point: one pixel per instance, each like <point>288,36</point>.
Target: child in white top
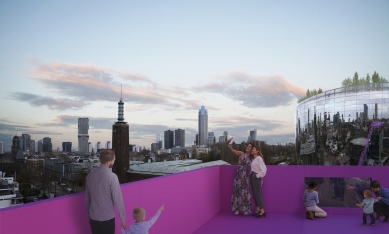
<point>141,226</point>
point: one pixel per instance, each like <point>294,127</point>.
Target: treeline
<point>309,94</point>
<point>375,78</point>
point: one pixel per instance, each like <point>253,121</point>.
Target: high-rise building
<point>154,147</point>
<point>32,146</point>
<point>168,139</point>
<point>109,145</point>
<point>47,145</point>
<point>90,147</point>
<point>40,146</point>
<point>179,138</point>
<point>98,146</point>
<point>83,136</point>
<point>120,144</point>
<point>203,126</point>
<point>1,147</point>
<point>21,142</point>
<point>157,137</point>
<point>67,147</point>
<point>253,136</point>
<point>26,142</point>
<point>159,144</point>
<point>15,145</point>
<point>222,139</point>
<point>211,138</point>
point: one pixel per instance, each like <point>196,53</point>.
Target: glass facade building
<point>333,127</point>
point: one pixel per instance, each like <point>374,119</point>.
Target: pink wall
<point>284,185</point>
<point>190,199</point>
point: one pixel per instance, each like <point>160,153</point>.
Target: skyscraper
<point>203,125</point>
<point>211,138</point>
<point>26,142</point>
<point>40,146</point>
<point>1,147</point>
<point>32,145</point>
<point>15,145</point>
<point>253,136</point>
<point>179,138</point>
<point>90,147</point>
<point>109,145</point>
<point>157,137</point>
<point>47,145</point>
<point>120,144</point>
<point>168,139</point>
<point>83,137</point>
<point>98,146</point>
<point>66,147</point>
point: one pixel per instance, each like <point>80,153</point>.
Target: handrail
<point>373,125</point>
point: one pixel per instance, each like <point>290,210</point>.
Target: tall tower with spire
<point>120,144</point>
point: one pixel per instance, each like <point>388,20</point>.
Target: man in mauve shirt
<point>101,194</point>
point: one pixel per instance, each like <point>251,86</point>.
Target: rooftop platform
<point>198,201</point>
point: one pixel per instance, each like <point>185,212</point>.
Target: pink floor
<point>226,222</point>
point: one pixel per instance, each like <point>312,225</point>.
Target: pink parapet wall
<point>190,198</point>
<point>283,186</point>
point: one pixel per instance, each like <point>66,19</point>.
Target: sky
<point>247,62</point>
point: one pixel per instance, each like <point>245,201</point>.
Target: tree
<point>194,152</point>
<point>347,82</point>
<point>320,91</point>
<point>355,79</point>
<point>184,153</point>
<point>375,77</point>
<point>367,79</point>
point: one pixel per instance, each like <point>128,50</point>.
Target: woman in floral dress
<point>241,198</point>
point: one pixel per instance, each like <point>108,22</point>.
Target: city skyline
<point>247,62</point>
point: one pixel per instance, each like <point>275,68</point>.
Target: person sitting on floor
<point>311,199</point>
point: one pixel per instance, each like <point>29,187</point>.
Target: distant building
<point>154,147</point>
<point>35,162</point>
<point>222,139</point>
<point>66,147</point>
<point>169,139</point>
<point>1,147</point>
<point>47,145</point>
<point>132,148</point>
<point>179,138</point>
<point>157,138</point>
<point>32,146</point>
<point>120,144</point>
<point>203,126</point>
<point>83,136</point>
<point>98,146</point>
<point>40,146</point>
<point>211,138</point>
<point>159,145</point>
<point>26,142</point>
<point>156,169</point>
<point>15,145</point>
<point>253,136</point>
<point>21,142</point>
<point>109,145</point>
<point>90,147</point>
